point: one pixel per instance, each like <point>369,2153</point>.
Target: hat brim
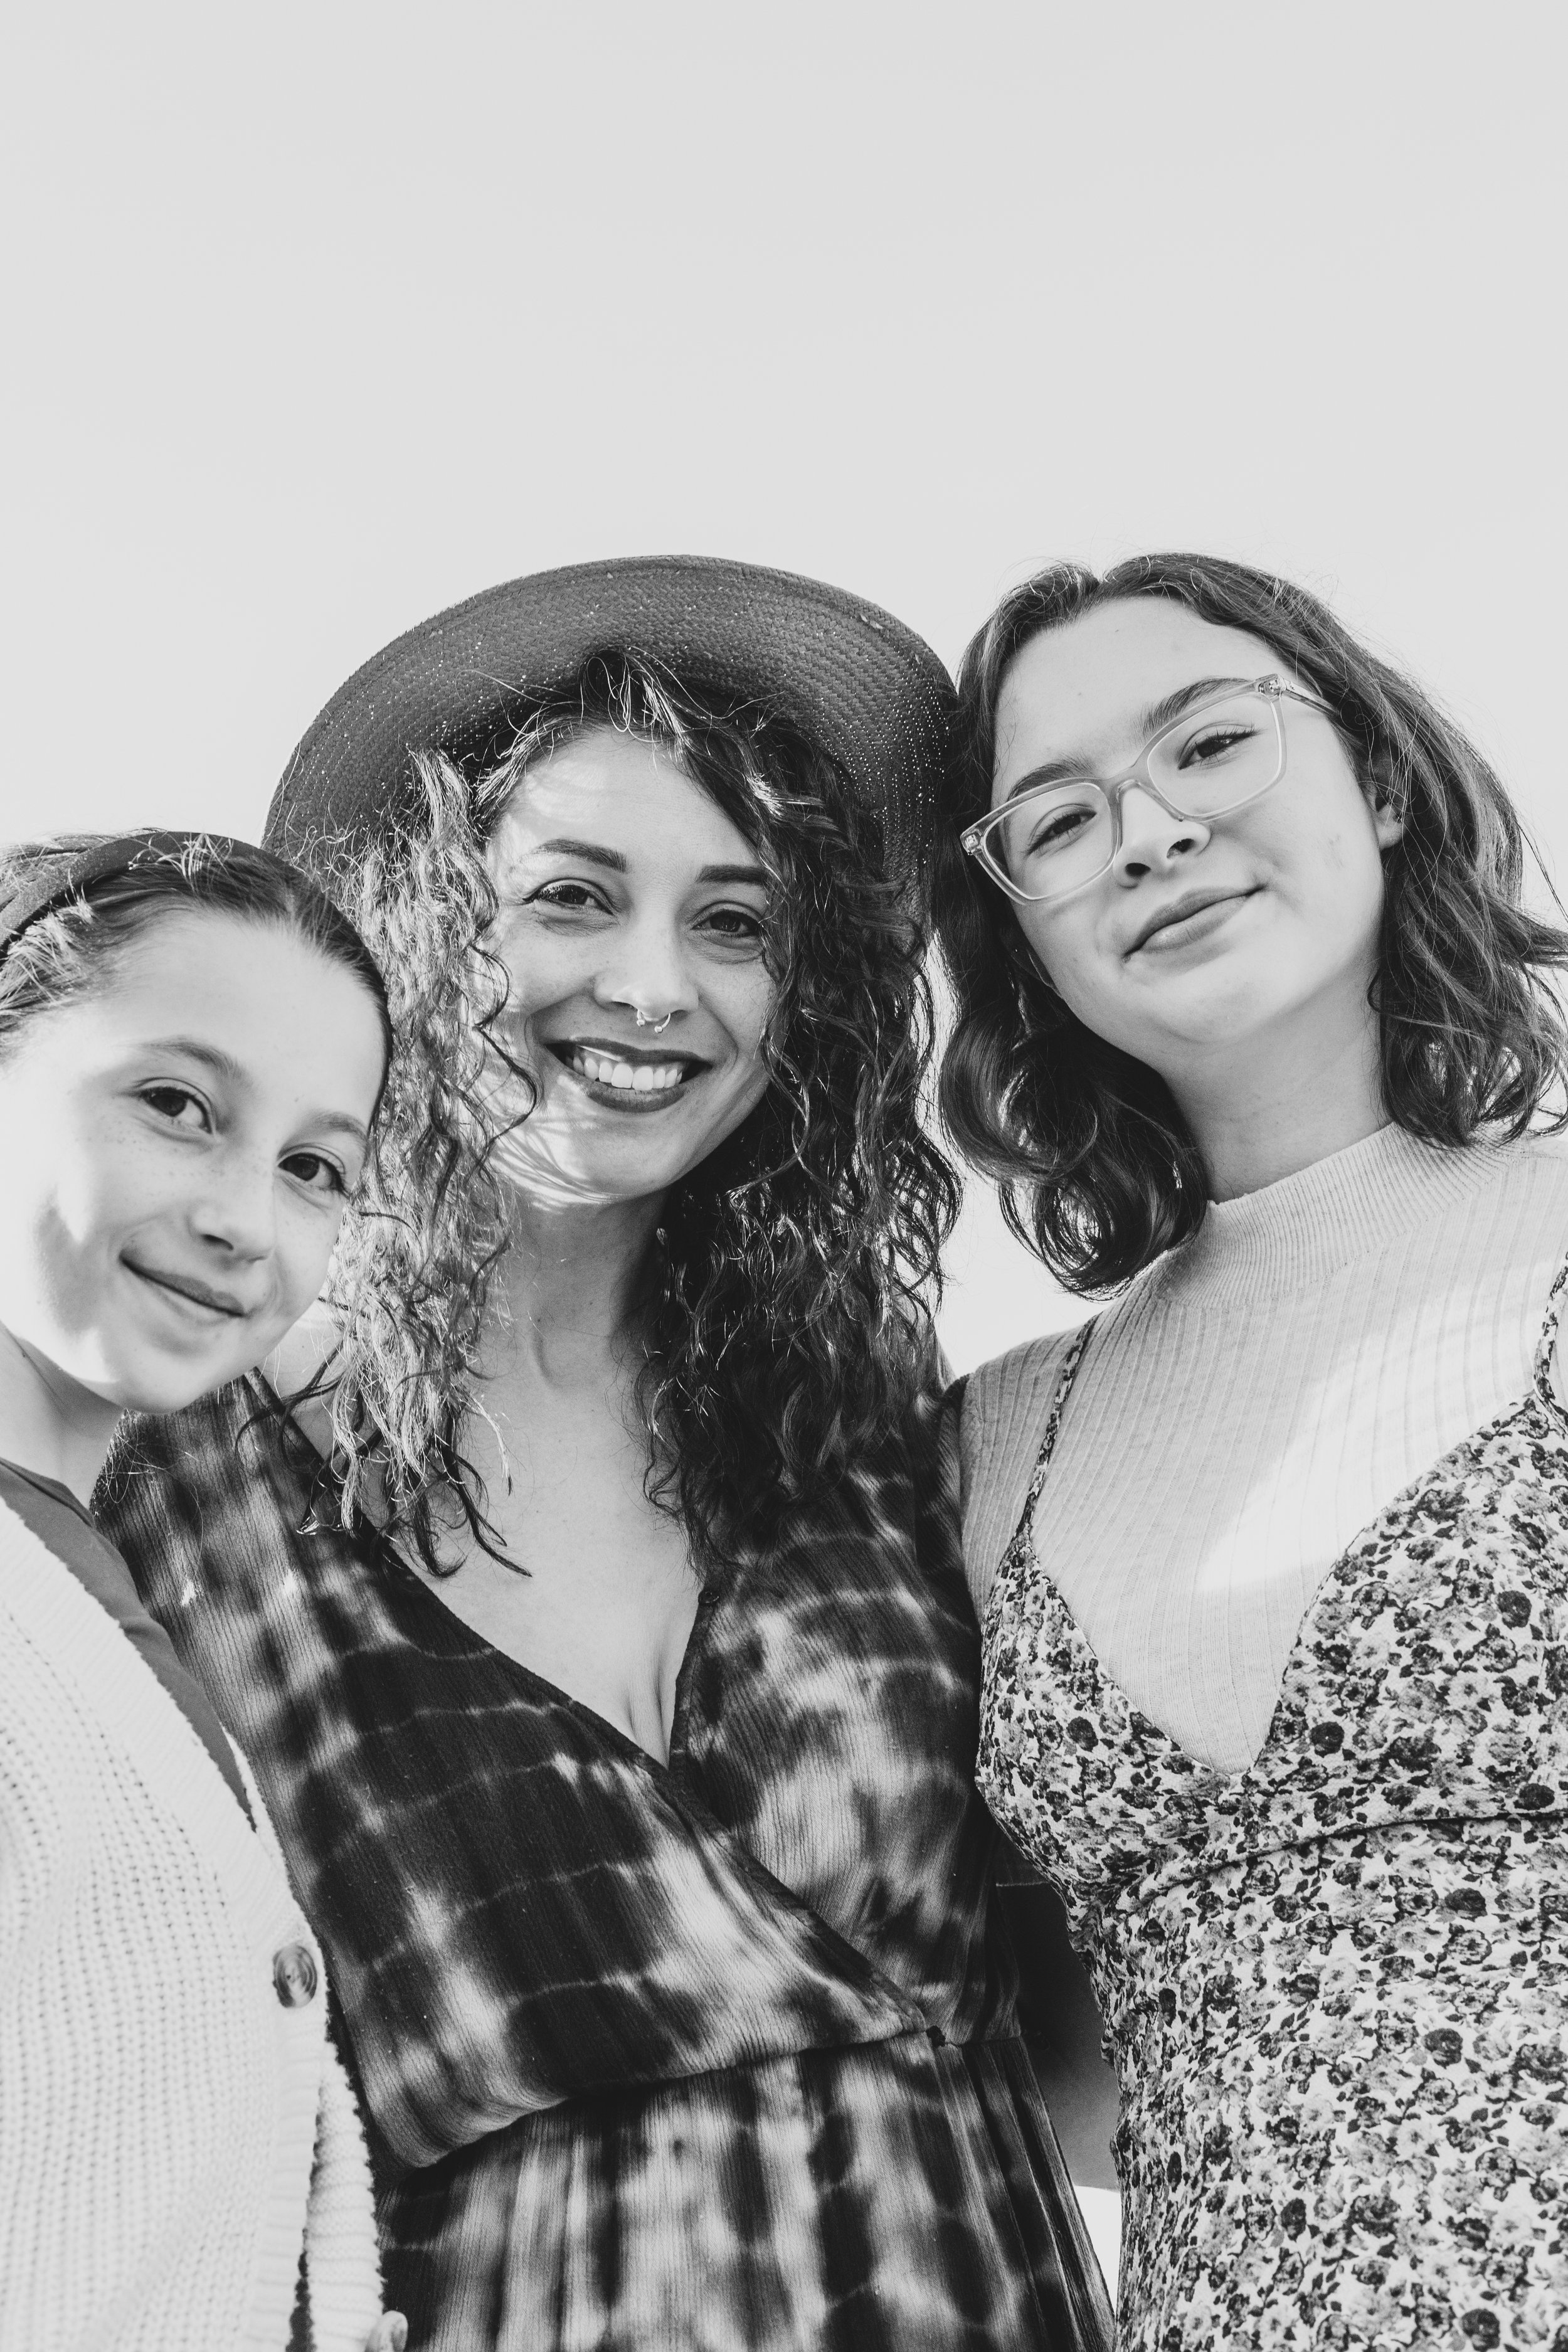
<point>851,677</point>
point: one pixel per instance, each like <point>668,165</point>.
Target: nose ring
<point>658,1027</point>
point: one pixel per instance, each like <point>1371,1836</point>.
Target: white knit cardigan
<point>171,2133</point>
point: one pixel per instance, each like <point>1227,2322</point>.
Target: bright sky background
<point>322,317</point>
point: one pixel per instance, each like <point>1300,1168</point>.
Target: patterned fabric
<point>716,2054</point>
<point>1335,1984</point>
<point>58,1519</point>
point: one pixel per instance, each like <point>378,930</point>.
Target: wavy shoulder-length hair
<point>1098,1171</point>
<point>787,1324</point>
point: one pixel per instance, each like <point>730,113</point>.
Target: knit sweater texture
<point>172,2135</point>
<point>1252,1401</point>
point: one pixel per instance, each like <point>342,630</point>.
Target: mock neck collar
<point>1288,1236</point>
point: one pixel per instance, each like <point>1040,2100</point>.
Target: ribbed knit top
<point>1252,1400</point>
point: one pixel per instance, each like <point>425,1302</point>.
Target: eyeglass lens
<point>1060,836</point>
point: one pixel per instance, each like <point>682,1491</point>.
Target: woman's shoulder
<point>996,1394</point>
<point>202,1500</point>
<point>1002,1417</point>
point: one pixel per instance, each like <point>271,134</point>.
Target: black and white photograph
<point>784,1233</point>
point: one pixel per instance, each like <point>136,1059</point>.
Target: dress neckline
<point>380,1552</point>
<point>1541,1396</point>
<point>477,1644</point>
<point>1300,1231</point>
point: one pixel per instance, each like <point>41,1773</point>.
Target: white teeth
<point>641,1077</point>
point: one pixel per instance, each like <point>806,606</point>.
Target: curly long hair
<point>1098,1170</point>
<point>787,1320</point>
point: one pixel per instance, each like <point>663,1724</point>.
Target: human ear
<point>1384,801</point>
<point>1388,823</point>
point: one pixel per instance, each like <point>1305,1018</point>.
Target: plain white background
<point>320,318</point>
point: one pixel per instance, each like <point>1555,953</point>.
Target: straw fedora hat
<point>849,675</point>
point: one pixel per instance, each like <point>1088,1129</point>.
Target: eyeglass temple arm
<point>1275,687</point>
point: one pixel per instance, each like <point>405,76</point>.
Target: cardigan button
<point>294,1976</point>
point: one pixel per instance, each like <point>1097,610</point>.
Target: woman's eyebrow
<point>224,1066</point>
<point>212,1057</point>
<point>595,853</point>
<point>591,850</point>
<point>1160,714</point>
<point>1150,721</point>
<point>336,1122</point>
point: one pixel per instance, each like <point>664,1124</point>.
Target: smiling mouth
<point>186,1286</point>
<point>640,1080</point>
<point>1183,916</point>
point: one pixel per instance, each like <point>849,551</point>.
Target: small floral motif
<point>1335,1985</point>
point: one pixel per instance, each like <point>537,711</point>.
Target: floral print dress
<point>1335,1984</point>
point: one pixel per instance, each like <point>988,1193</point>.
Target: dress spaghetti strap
<point>1545,1385</point>
<point>1064,1379</point>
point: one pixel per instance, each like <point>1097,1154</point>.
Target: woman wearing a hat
<point>598,1627</point>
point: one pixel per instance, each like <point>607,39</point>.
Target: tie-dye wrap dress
<point>718,2054</point>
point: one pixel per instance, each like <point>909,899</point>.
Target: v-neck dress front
<point>717,2054</point>
<point>1335,1984</point>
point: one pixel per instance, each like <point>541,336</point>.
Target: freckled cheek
<point>521,1005</point>
<point>91,1199</point>
<point>1336,890</point>
<point>1335,852</point>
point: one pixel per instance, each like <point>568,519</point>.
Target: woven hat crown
<point>851,677</point>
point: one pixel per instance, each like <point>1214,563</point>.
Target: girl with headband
<point>1255,1027</point>
<point>192,1046</point>
<point>597,1624</point>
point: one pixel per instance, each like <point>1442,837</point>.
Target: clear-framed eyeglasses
<point>1055,837</point>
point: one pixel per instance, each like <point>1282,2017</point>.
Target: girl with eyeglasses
<point>1260,1039</point>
